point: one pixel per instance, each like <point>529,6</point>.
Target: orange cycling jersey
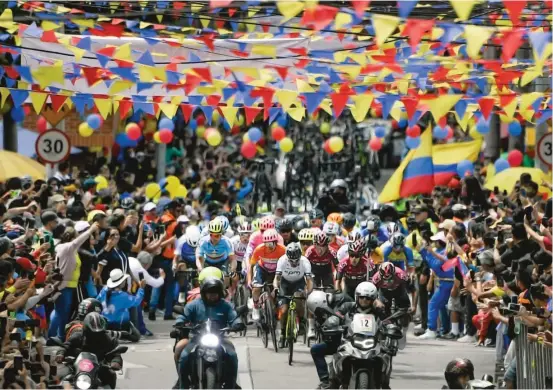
<point>267,259</point>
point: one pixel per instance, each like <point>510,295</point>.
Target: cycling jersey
<point>401,259</point>
<point>293,274</point>
<point>215,254</point>
<point>327,258</point>
<point>239,248</point>
<point>399,278</point>
<point>256,239</point>
<point>353,274</point>
<point>184,250</point>
<point>266,259</point>
<point>336,245</point>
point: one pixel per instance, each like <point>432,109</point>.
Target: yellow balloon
<point>101,180</point>
<point>474,133</point>
<point>180,192</point>
<point>200,131</point>
<point>286,144</point>
<point>153,191</point>
<point>151,126</point>
<point>173,183</point>
<point>216,116</point>
<point>274,124</point>
<point>245,137</point>
<point>336,144</point>
<point>85,130</point>
<point>214,138</point>
<point>325,127</point>
<point>241,120</point>
<point>156,137</point>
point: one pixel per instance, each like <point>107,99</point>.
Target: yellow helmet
<point>216,226</point>
<point>306,235</point>
<point>255,224</point>
<point>210,272</point>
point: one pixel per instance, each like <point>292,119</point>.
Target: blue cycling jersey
<point>401,259</point>
<point>188,253</point>
<point>215,254</point>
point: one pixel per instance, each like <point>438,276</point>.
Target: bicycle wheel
<point>264,331</point>
<point>271,323</point>
<point>241,300</point>
<point>290,334</point>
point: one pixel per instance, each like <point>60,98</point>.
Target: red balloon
<point>261,142</point>
<point>414,131</point>
<point>515,158</point>
<point>378,110</point>
<point>41,124</point>
<point>134,132</point>
<point>248,149</point>
<point>449,132</point>
<point>141,124</point>
<point>200,120</point>
<point>165,136</point>
<point>395,124</point>
<point>326,147</point>
<point>235,130</point>
<point>375,144</point>
<point>26,110</point>
<point>278,133</point>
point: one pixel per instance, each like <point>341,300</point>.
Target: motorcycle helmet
<point>316,299</point>
<point>331,330</point>
<point>458,372</point>
<point>88,305</point>
<point>336,218</point>
<point>366,290</point>
<point>284,225</point>
<point>331,228</point>
<point>397,240</point>
<point>339,183</point>
<point>216,226</point>
<point>193,236</point>
<point>321,239</point>
<point>245,228</point>
<point>266,223</point>
<point>387,270</point>
<point>212,285</point>
<point>94,323</point>
<point>349,221</point>
<point>210,272</point>
<point>270,235</point>
<point>373,223</point>
<point>293,252</point>
<point>127,203</point>
<point>306,235</point>
<point>316,214</point>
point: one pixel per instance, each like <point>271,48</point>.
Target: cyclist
<point>316,217</point>
<point>285,228</point>
<point>263,265</point>
<point>373,227</point>
<point>240,244</point>
<point>392,282</point>
<point>185,258</point>
<point>256,238</point>
<point>306,237</point>
<point>397,253</point>
<point>323,260</point>
<point>332,230</point>
<point>349,222</point>
<point>293,275</point>
<point>354,269</point>
<point>301,224</point>
<point>342,253</point>
<point>336,218</point>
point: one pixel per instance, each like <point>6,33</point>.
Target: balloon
<point>515,129</point>
<point>18,114</point>
<point>193,124</point>
<point>179,192</point>
<point>413,132</point>
<point>286,144</point>
<point>153,191</point>
<point>501,164</point>
<point>173,183</point>
<point>200,131</point>
<point>325,128</point>
<point>85,130</point>
<point>133,131</point>
<point>395,124</point>
<point>402,123</point>
<point>464,168</point>
<point>282,120</point>
<point>412,142</point>
<point>235,129</point>
<point>213,138</point>
<point>375,144</point>
<point>336,144</point>
<point>439,132</point>
<point>255,134</point>
<point>248,150</point>
<point>167,124</point>
<point>376,112</point>
<point>380,131</point>
<point>326,147</point>
<point>449,132</point>
<point>515,158</point>
<point>41,124</point>
<point>200,119</point>
<point>123,140</point>
<point>278,133</point>
<point>94,121</point>
<point>483,127</point>
<point>26,109</point>
<point>473,132</point>
<point>156,137</point>
<point>165,135</point>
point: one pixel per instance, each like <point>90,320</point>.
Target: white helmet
<point>366,289</point>
<point>331,228</point>
<point>225,221</point>
<point>339,183</point>
<point>193,236</point>
<point>316,299</point>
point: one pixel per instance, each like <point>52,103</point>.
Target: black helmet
<point>284,225</point>
<point>302,224</point>
<point>94,323</point>
<point>127,203</point>
<point>456,369</point>
<point>210,285</point>
<point>316,214</point>
<point>88,305</point>
<point>349,220</point>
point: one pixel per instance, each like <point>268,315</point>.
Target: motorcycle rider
<point>94,339</point>
<point>335,200</point>
<point>458,373</point>
<point>366,302</point>
<point>213,306</point>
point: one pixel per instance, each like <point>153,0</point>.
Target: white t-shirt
<point>136,268</point>
<point>293,274</point>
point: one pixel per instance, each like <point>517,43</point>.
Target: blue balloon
<point>515,129</point>
<point>94,121</point>
<point>380,131</point>
<point>193,124</point>
<point>254,134</point>
<point>483,126</point>
<point>18,114</point>
<point>439,132</point>
<point>166,123</point>
<point>501,164</point>
<point>465,166</point>
<point>124,142</point>
<point>282,120</point>
<point>412,142</point>
<point>402,123</point>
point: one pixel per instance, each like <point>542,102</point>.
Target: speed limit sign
<point>53,146</point>
<point>544,149</point>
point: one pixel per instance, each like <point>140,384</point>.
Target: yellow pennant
<point>476,36</point>
<point>104,107</point>
<point>264,50</point>
<point>119,86</point>
<point>48,25</point>
<point>384,26</point>
<point>441,105</point>
<point>229,112</point>
<point>5,92</point>
<point>168,109</point>
<point>297,113</point>
<point>123,52</point>
<point>38,99</point>
<point>511,108</point>
<point>289,9</point>
<point>286,98</point>
<point>303,86</point>
<point>527,99</point>
<point>361,105</point>
<point>529,76</point>
<point>342,19</point>
<point>462,8</point>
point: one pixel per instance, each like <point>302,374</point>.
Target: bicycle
<point>241,299</point>
<point>268,317</point>
<point>292,325</point>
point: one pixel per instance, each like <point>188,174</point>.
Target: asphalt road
<point>149,364</point>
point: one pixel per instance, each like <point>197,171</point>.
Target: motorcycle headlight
<point>209,340</point>
<point>363,343</point>
<point>83,382</point>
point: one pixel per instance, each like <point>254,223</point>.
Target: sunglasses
<point>214,235</point>
<point>364,298</point>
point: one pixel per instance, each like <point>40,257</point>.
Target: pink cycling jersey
<point>400,277</point>
<point>256,239</point>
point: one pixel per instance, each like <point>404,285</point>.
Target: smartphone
<point>42,241</point>
<point>471,274</point>
<point>53,370</point>
<point>48,358</point>
<point>18,363</point>
<point>514,307</point>
<point>141,276</point>
<point>501,205</point>
<point>528,211</point>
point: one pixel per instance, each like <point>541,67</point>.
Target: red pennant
<point>511,42</point>
<point>192,81</point>
<point>504,78</point>
<point>442,122</point>
<point>265,27</point>
<point>514,7</point>
<point>207,40</point>
<point>282,71</point>
<point>267,95</point>
<point>251,113</point>
<point>339,101</point>
<point>49,36</point>
<point>319,17</point>
<point>213,100</point>
<point>107,51</point>
<point>219,23</point>
<point>91,75</point>
<point>410,103</point>
<point>204,73</point>
<point>187,110</point>
<point>231,12</point>
<point>505,100</point>
<point>302,63</point>
<point>486,106</point>
<point>359,6</point>
<point>124,108</point>
<point>239,53</point>
<point>300,51</point>
<point>57,101</point>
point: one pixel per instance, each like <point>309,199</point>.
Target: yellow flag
<point>264,50</point>
<point>289,9</point>
<point>168,109</point>
<point>526,99</point>
<point>104,107</point>
<point>119,86</point>
<point>7,15</point>
<point>88,23</point>
<point>5,92</point>
<point>361,105</point>
<point>303,86</point>
<point>286,98</point>
<point>341,20</point>
<point>48,75</point>
<point>79,53</point>
<point>48,25</point>
<point>529,76</point>
<point>441,105</point>
<point>38,99</point>
<point>252,72</point>
<point>384,26</point>
<point>464,121</point>
<point>462,8</point>
<point>325,106</point>
<point>123,52</point>
<point>297,113</point>
<point>229,112</point>
<point>476,36</point>
<point>511,108</point>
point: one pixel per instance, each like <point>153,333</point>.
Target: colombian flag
<point>445,158</point>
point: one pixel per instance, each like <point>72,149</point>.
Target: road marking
<point>244,374</point>
<point>127,366</point>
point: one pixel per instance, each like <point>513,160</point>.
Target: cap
<point>183,219</point>
<point>149,206</point>
<point>440,236</point>
<point>486,257</point>
<point>81,226</point>
<point>447,224</point>
<point>70,188</point>
<point>459,207</point>
<point>421,208</point>
<point>280,205</point>
<point>55,199</point>
<point>26,264</point>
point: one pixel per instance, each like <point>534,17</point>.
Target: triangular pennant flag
<point>229,113</point>
<point>124,108</point>
<point>360,6</point>
<point>526,99</point>
<point>289,9</point>
<point>441,105</point>
<point>416,29</point>
<point>19,96</point>
<point>405,7</point>
<point>361,105</point>
<point>387,102</point>
<point>57,102</point>
<point>486,106</point>
<point>545,115</point>
<point>463,8</point>
<point>104,107</point>
<point>251,113</point>
<point>384,26</point>
<point>286,98</point>
<point>511,42</point>
<point>275,112</point>
<point>509,104</point>
<point>476,36</point>
<point>312,100</point>
<point>461,108</point>
<point>169,109</point>
<point>187,111</point>
<point>38,99</point>
<point>415,119</point>
<point>297,113</point>
<point>410,103</point>
<point>539,40</point>
<point>339,101</point>
<point>514,8</point>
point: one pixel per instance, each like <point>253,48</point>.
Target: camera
<point>537,291</point>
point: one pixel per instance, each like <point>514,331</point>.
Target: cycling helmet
<point>316,299</point>
<point>354,236</point>
<point>193,236</point>
<point>224,220</point>
<point>212,285</point>
<point>270,235</point>
<point>397,239</point>
<point>306,235</point>
<point>293,252</point>
<point>456,369</point>
<point>284,225</point>
<point>316,214</point>
<point>210,272</point>
<point>88,305</point>
<point>335,217</point>
<point>367,290</point>
<point>127,203</point>
<point>266,223</point>
<point>339,183</point>
<point>387,270</point>
<point>321,239</point>
<point>255,224</point>
<point>301,224</point>
<point>392,228</point>
<point>331,228</point>
<point>349,220</point>
<point>94,323</point>
<point>216,226</point>
<point>356,248</point>
<point>373,223</point>
<point>245,228</point>
<point>371,242</point>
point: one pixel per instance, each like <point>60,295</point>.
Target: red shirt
<point>329,257</point>
<point>353,272</point>
<point>547,243</point>
<point>336,244</point>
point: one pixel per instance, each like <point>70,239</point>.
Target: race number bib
<point>364,323</point>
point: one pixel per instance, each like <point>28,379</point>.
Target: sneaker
<point>147,333</point>
<point>428,335</point>
<point>281,342</point>
<point>418,327</point>
<point>182,298</point>
<point>324,385</point>
<point>466,339</point>
<point>419,332</point>
<point>489,343</point>
<point>450,336</point>
<point>152,315</point>
<point>256,315</point>
<point>169,318</point>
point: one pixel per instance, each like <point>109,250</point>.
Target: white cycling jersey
<point>239,247</point>
<point>342,252</point>
<point>290,273</point>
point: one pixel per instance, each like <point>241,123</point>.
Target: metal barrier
<point>533,365</point>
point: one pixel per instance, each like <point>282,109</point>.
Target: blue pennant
<point>208,113</point>
<point>312,100</point>
<point>405,7</point>
<point>147,108</point>
<point>19,96</point>
<point>461,108</point>
<point>387,102</point>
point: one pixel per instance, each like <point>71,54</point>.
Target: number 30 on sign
<point>544,149</point>
<point>53,146</point>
